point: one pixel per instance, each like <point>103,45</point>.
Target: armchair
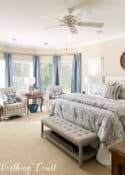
<point>52,93</point>
<point>19,107</point>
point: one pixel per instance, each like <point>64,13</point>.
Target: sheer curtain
<point>22,70</point>
<point>95,76</point>
<point>66,72</point>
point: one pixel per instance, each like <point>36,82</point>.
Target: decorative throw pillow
<point>11,98</point>
<point>122,92</point>
<point>112,91</point>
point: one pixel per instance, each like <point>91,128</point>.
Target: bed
<point>105,117</point>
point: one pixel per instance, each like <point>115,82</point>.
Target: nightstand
<point>118,158</point>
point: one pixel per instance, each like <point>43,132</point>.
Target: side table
<point>118,158</point>
<point>34,96</point>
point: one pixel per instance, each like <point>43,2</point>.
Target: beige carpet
<point>21,146</point>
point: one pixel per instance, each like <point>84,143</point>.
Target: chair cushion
<point>15,106</point>
<point>56,94</point>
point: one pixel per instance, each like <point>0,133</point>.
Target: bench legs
<point>80,156</point>
<point>42,129</point>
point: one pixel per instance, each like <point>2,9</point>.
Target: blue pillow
<point>11,98</point>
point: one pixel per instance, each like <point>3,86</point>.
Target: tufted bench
<point>73,133</point>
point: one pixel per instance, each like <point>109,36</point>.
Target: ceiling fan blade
<point>73,30</point>
<point>50,17</point>
<point>53,27</point>
<point>61,25</point>
<point>90,24</point>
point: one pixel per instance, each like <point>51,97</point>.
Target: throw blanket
<point>105,117</point>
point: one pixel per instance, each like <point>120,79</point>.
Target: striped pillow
<point>122,92</point>
<point>112,91</point>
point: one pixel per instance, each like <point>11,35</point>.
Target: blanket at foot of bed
<point>104,122</point>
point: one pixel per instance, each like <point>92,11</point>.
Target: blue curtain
<point>76,74</point>
<point>36,70</point>
<point>56,70</point>
<point>8,70</point>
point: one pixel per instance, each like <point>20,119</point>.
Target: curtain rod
<point>16,53</point>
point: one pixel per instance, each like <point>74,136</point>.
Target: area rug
<point>24,152</point>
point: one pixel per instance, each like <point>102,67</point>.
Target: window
<point>2,71</point>
<point>22,68</point>
<point>66,71</point>
<point>46,73</point>
<point>95,74</point>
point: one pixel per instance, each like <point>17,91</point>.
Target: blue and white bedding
<point>105,117</point>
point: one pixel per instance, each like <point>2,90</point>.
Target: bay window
<point>95,74</point>
<point>46,73</point>
<point>65,73</point>
<point>22,68</point>
<point>2,71</point>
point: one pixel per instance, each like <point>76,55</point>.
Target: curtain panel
<point>76,74</point>
<point>56,70</point>
<point>8,70</point>
<point>36,70</point>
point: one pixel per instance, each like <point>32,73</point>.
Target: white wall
<point>111,51</point>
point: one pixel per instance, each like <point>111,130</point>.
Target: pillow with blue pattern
<point>11,98</point>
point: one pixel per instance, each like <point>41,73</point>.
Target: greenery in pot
<point>35,88</point>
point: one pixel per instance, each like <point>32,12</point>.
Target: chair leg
<point>42,129</point>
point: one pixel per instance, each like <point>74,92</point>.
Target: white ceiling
<point>32,22</point>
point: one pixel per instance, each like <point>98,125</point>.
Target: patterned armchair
<point>19,107</point>
<point>52,93</point>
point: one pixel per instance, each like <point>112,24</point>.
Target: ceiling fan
<point>71,22</point>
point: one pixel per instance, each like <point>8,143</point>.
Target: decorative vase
<point>33,108</point>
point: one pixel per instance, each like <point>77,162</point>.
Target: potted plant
<point>35,88</point>
<point>34,107</point>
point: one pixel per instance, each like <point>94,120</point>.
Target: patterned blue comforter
<point>103,116</point>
